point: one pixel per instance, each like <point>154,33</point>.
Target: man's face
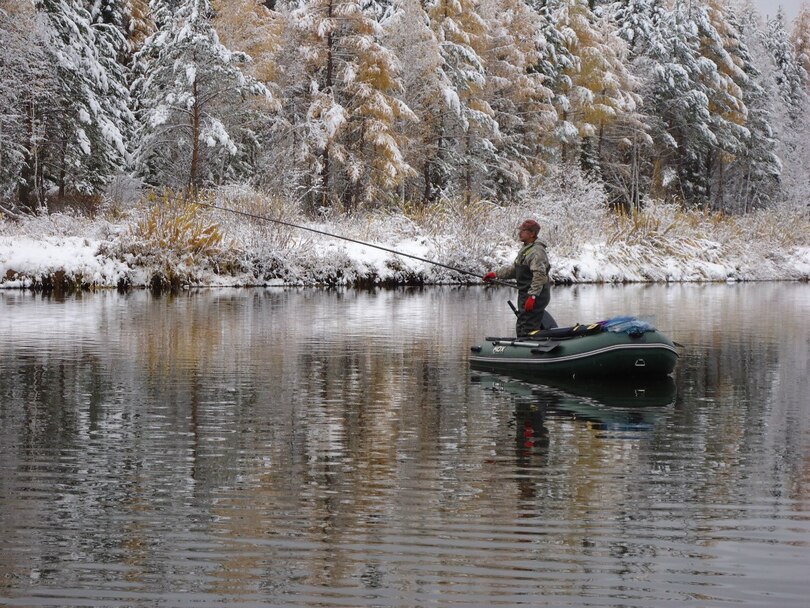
<point>525,236</point>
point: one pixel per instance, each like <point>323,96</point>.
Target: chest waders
<point>528,322</point>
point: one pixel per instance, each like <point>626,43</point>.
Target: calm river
<point>288,447</point>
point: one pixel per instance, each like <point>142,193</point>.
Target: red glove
<point>528,305</point>
<point>488,277</point>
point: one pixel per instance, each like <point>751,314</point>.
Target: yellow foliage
<point>142,24</point>
<point>800,36</point>
<point>176,223</point>
<point>248,26</point>
<point>690,230</point>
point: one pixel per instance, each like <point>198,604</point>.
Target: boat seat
<point>567,332</point>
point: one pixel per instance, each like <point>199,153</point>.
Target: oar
<point>345,238</point>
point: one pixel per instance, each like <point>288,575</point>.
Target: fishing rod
<point>345,238</point>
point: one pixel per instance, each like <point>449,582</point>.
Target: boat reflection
<point>632,404</point>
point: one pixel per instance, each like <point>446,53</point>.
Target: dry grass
<point>177,224</point>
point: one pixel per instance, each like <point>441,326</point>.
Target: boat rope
<point>345,238</point>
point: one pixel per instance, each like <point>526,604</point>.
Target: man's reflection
<point>532,441</point>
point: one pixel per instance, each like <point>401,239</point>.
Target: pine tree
<point>28,85</point>
<point>637,23</point>
<point>720,43</point>
<point>110,20</point>
<point>193,123</point>
<point>791,77</point>
<point>752,180</point>
<point>555,63</point>
<point>85,142</point>
<point>681,87</point>
<point>645,164</point>
<point>790,115</point>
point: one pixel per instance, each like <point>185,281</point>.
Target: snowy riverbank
<point>664,245</point>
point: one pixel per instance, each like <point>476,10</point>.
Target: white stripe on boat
<point>554,359</point>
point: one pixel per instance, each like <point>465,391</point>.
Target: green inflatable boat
<point>617,347</point>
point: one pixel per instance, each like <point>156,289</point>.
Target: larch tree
<point>250,27</point>
<point>471,133</point>
<point>800,37</point>
<point>518,96</point>
<point>372,88</point>
<point>194,131</point>
<point>598,99</point>
<point>430,94</point>
<point>353,105</point>
<point>140,24</point>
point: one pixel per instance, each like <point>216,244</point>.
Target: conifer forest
<point>350,105</point>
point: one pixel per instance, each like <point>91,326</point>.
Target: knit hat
<point>531,226</point>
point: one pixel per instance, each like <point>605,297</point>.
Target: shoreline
<point>69,253</point>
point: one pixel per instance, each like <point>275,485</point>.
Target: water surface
<point>333,448</point>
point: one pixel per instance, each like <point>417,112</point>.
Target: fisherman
<point>530,271</point>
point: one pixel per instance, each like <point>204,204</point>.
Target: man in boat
<point>530,271</point>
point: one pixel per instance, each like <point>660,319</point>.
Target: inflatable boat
<point>617,347</point>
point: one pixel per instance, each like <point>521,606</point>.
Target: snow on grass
<point>661,244</point>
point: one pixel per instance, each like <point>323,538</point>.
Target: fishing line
<point>351,240</point>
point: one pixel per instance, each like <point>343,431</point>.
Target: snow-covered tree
<point>752,179</point>
<point>110,20</point>
<point>639,172</point>
<point>140,23</point>
<point>353,103</point>
<point>27,84</point>
<point>94,98</point>
<point>463,38</point>
<point>427,90</point>
<point>555,62</point>
<point>74,105</point>
<point>517,94</point>
<point>681,86</point>
<point>637,23</point>
<point>596,88</point>
<point>791,77</point>
<point>791,123</point>
<point>726,87</point>
<point>800,37</point>
<point>194,123</point>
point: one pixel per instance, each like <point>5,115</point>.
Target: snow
<point>25,260</point>
<point>100,255</point>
